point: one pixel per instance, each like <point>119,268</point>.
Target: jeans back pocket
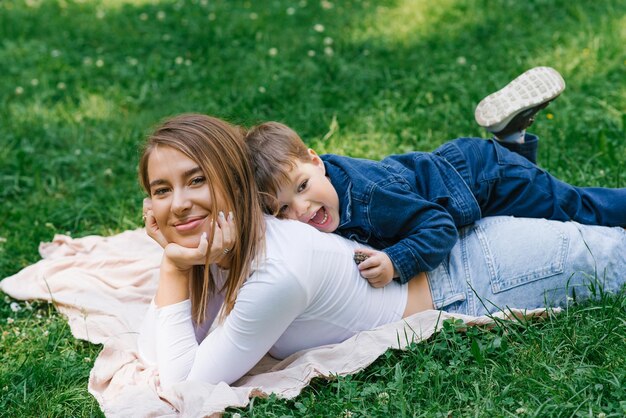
<point>521,252</point>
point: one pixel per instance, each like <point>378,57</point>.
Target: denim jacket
<point>408,206</point>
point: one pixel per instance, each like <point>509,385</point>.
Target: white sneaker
<point>513,107</point>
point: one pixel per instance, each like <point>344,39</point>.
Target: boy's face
<point>309,196</point>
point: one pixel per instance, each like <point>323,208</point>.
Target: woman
<point>284,286</point>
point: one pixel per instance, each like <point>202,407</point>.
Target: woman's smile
<point>190,223</point>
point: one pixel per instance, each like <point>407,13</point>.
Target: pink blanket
<point>103,285</point>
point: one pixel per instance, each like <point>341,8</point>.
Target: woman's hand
<point>224,233</point>
<point>377,268</point>
<point>152,229</point>
<point>183,258</point>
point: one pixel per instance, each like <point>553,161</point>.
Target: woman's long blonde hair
<point>219,149</point>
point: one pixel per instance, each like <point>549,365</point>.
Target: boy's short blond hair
<point>274,149</point>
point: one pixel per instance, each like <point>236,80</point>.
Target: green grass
<point>83,81</point>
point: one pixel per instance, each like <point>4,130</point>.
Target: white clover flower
<point>99,62</point>
<point>87,61</point>
<point>236,415</point>
<point>179,60</point>
<point>383,397</point>
<point>55,53</point>
<point>311,53</point>
<point>302,3</point>
<point>318,27</point>
<point>19,90</point>
<point>34,82</point>
<point>87,360</point>
<point>143,16</point>
<point>15,307</point>
<point>100,14</point>
<point>329,51</point>
<point>211,16</point>
<point>61,85</point>
<point>10,321</point>
<point>328,41</point>
<point>326,4</point>
<point>461,60</point>
<point>272,52</point>
<point>166,37</point>
<point>291,11</point>
<point>254,16</point>
<point>161,15</point>
<point>108,172</point>
<point>520,411</point>
<point>262,90</point>
<point>204,3</point>
<point>3,240</point>
<point>132,61</point>
<point>188,62</point>
<point>45,333</point>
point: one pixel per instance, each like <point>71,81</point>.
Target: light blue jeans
<point>502,262</point>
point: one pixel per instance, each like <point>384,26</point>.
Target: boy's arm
<point>422,232</point>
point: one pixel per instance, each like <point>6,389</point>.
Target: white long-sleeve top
<point>304,292</point>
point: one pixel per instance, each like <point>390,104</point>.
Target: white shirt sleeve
<point>266,305</point>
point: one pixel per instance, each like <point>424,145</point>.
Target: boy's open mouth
<point>320,218</point>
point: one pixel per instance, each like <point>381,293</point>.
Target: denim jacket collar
<point>343,186</point>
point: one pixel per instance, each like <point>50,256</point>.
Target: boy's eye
<point>303,185</point>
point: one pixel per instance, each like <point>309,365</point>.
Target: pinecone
<point>360,257</point>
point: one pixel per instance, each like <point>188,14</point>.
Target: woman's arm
<point>266,305</point>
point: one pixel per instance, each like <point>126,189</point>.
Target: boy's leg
<point>509,111</point>
<point>504,183</point>
<point>527,148</point>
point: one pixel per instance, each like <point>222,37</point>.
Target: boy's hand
<point>377,268</point>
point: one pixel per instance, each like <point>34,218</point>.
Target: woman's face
<point>181,200</point>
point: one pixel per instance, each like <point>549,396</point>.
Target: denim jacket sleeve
<point>421,233</point>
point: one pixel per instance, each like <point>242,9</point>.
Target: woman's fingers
<point>224,236</point>
<point>184,257</point>
<point>152,229</point>
<point>229,232</point>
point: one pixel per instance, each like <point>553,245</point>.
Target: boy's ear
<point>316,160</point>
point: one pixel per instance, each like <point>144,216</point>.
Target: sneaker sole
<point>535,86</point>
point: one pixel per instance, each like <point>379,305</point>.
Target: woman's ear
<point>316,160</point>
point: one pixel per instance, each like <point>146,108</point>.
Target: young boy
<point>410,206</point>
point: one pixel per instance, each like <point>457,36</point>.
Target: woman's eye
<point>197,180</point>
<point>160,191</point>
<point>303,185</point>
